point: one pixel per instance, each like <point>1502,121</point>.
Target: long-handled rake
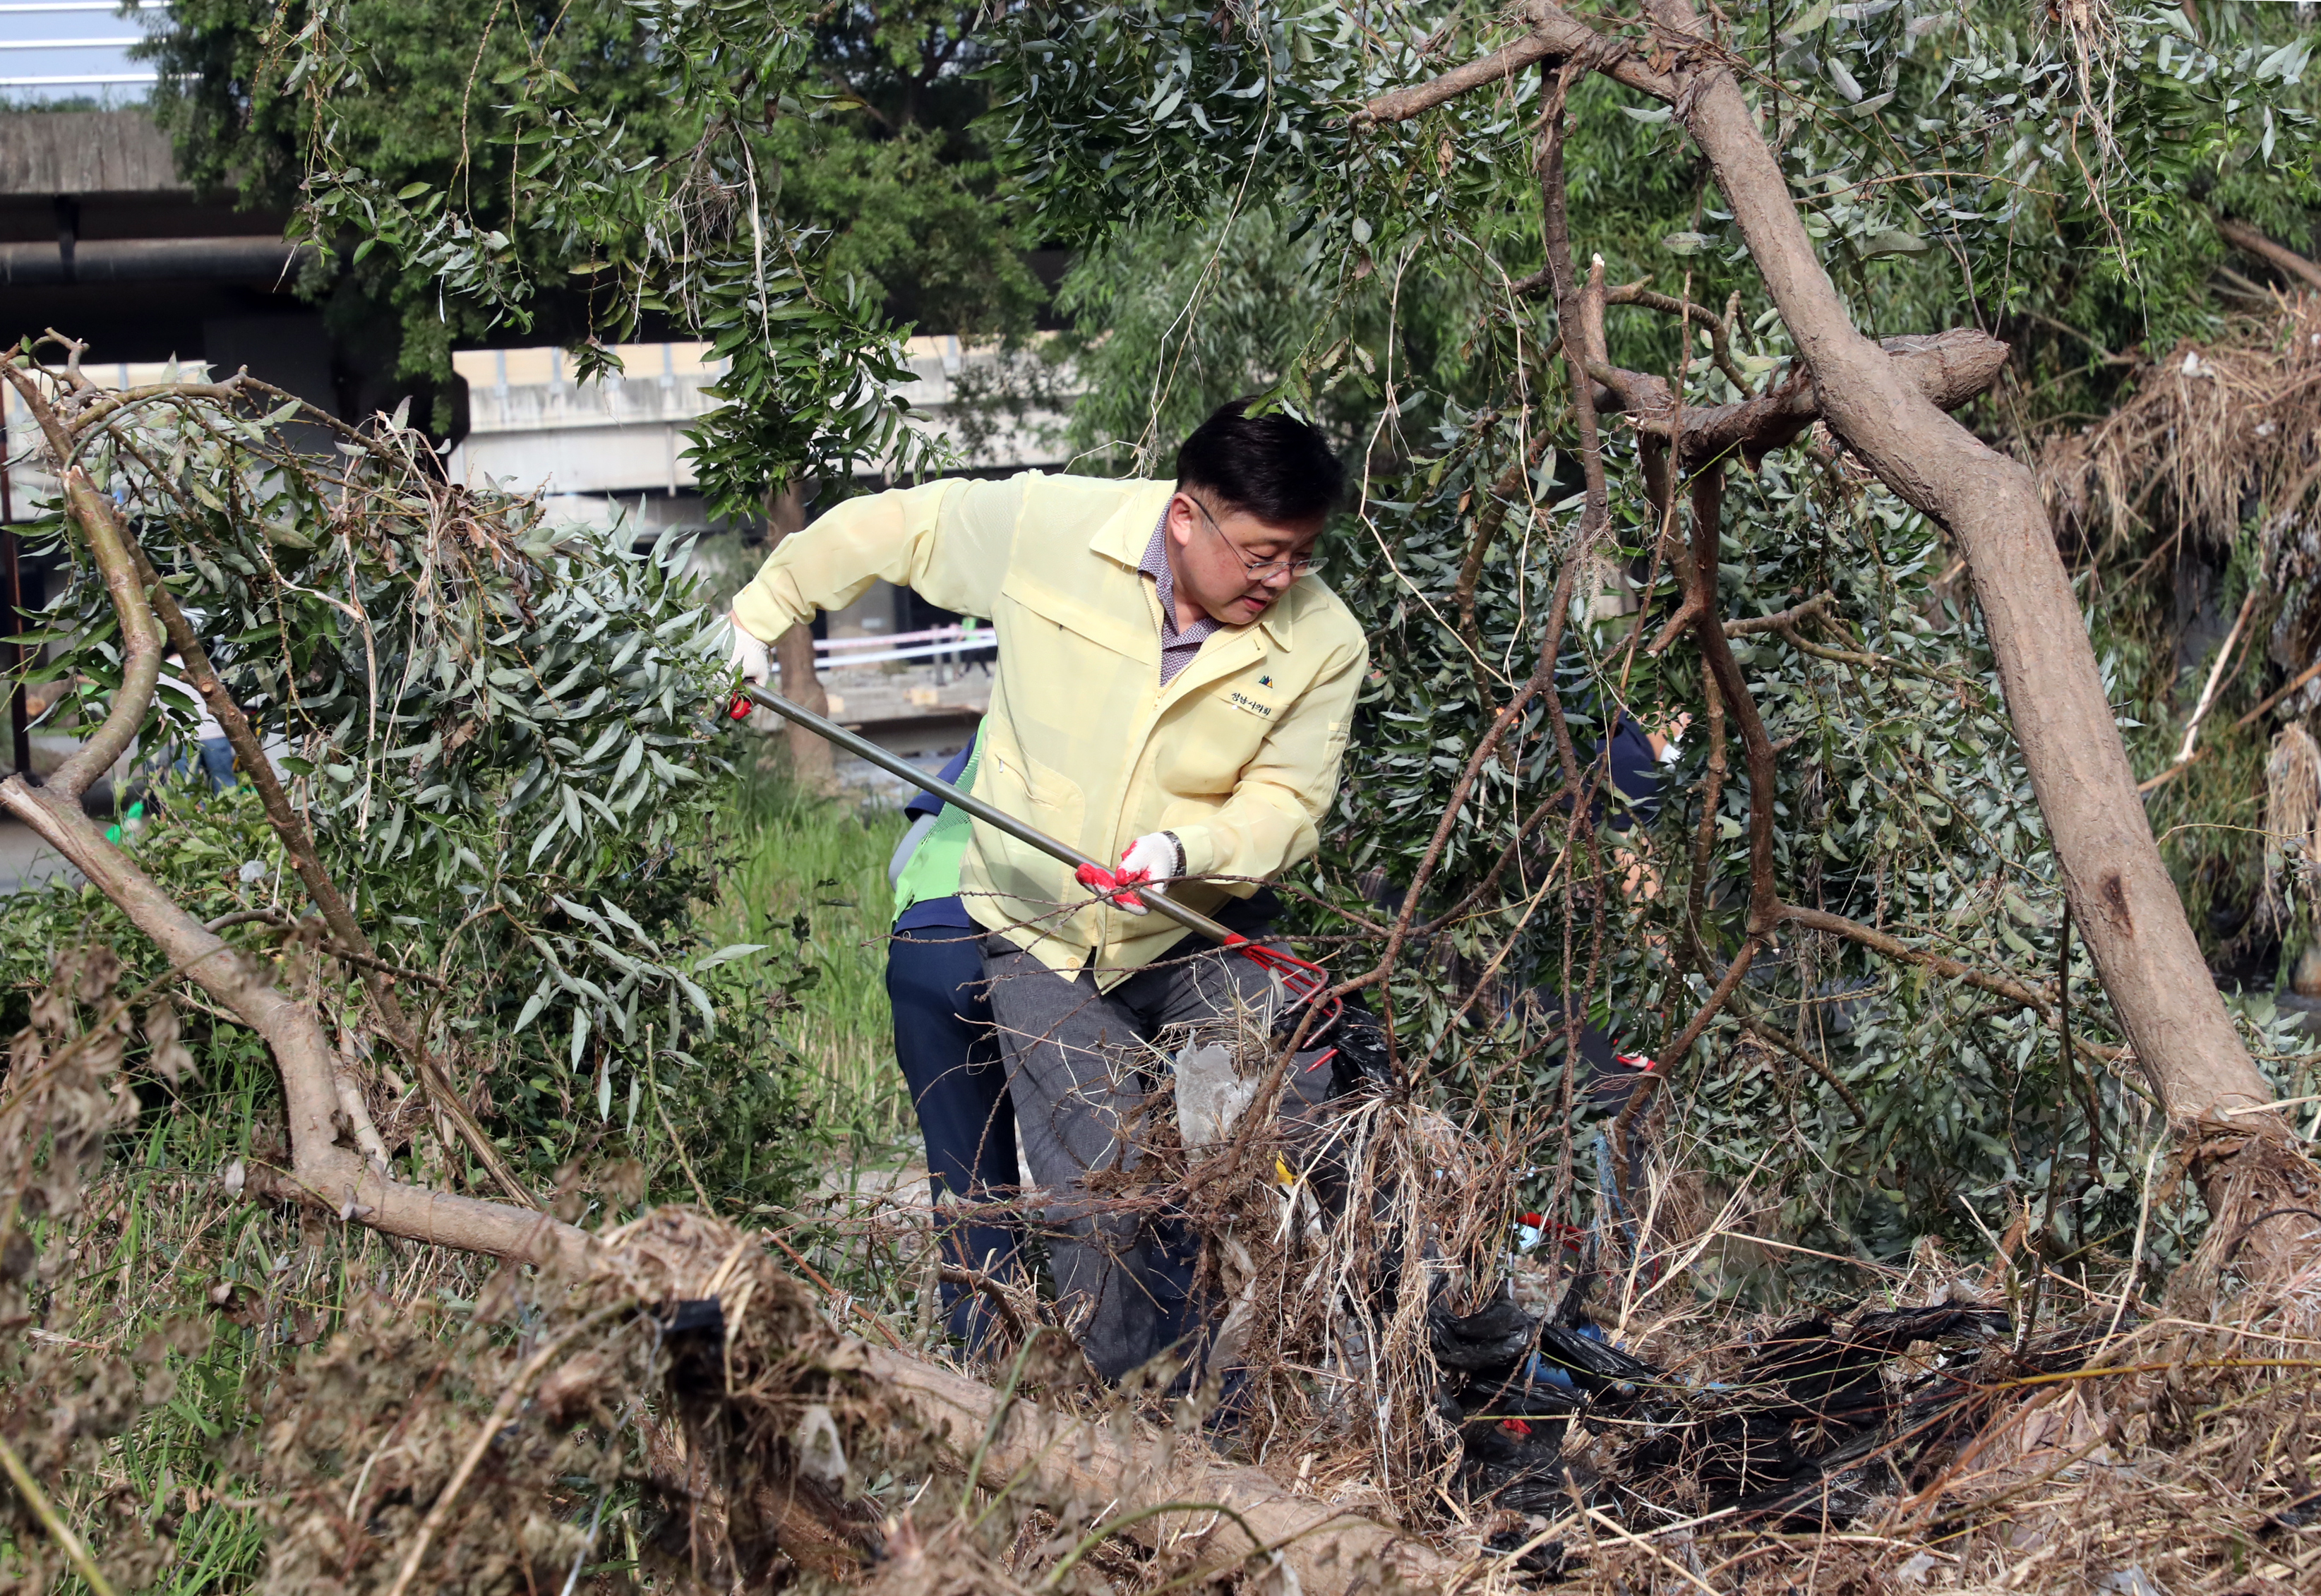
<point>1304,982</point>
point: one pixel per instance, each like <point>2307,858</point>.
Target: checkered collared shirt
<point>1177,646</point>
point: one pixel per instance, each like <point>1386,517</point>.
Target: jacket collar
<point>1276,621</point>
<point>1221,655</point>
<point>1124,535</point>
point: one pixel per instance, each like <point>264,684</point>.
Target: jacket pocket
<point>1042,605</point>
<point>1034,793</point>
<point>1205,742</point>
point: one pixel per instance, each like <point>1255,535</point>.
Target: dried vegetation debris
<point>683,1414</point>
<point>2210,428</point>
<point>685,1372</point>
<point>2212,433</point>
<point>66,1090</point>
<point>1836,1456</point>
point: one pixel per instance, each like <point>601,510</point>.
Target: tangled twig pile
<point>681,1393</point>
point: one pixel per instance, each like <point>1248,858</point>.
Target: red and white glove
<point>1150,861</point>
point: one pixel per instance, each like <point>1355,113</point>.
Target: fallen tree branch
<point>1707,1012</point>
<point>116,549</point>
<point>1948,367</point>
<point>1756,747</point>
<point>1945,369</point>
<point>1783,620</point>
<point>1090,1458</point>
<point>1555,36</point>
<point>140,639</point>
<point>2217,674</point>
<point>1584,309</point>
<point>2249,240</point>
<point>1768,911</point>
<point>2241,725</point>
<point>2122,899</point>
<point>322,1172</point>
<point>1901,952</point>
<point>282,921</point>
<point>2253,715</point>
<point>1720,328</point>
<point>1683,558</point>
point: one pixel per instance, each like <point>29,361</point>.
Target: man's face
<point>1229,563</point>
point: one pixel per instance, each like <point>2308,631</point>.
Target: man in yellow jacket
<point>1175,689</point>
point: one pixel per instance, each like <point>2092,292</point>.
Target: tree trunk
<point>2119,890</point>
<point>810,756</point>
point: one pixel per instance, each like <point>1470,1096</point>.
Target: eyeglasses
<point>1296,565</point>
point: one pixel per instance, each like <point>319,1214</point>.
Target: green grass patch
<point>812,877</point>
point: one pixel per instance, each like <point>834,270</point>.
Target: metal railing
<point>935,642</point>
<point>139,79</point>
<point>80,79</point>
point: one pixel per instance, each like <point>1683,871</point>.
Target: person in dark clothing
<point>949,1051</point>
<point>1634,762</point>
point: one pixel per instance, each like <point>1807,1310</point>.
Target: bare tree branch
<point>140,666</point>
<point>1501,66</point>
<point>1126,1463</point>
<point>1948,367</point>
<point>1797,615</point>
<point>2250,242</point>
<point>1555,36</point>
<point>1901,952</point>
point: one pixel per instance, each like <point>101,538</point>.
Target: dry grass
<point>691,1415</point>
<point>2209,428</point>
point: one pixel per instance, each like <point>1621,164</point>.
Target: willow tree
<point>1710,434</point>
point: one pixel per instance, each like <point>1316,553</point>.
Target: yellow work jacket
<point>1238,756</point>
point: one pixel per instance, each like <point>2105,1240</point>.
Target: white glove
<point>1151,862</point>
<point>752,660</point>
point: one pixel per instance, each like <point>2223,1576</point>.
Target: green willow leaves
<point>634,224</point>
<point>1958,167</point>
<point>506,735</point>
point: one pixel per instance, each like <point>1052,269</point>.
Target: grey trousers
<point>1079,1075</point>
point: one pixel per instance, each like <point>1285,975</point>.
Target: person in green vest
<point>945,1041</point>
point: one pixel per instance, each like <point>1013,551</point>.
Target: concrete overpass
<point>618,448</point>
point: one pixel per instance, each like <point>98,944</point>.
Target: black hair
<point>1274,467</point>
